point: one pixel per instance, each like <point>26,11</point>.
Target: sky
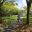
<point>21,3</point>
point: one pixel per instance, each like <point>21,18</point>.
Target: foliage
<point>9,8</point>
<point>8,20</point>
<point>1,1</point>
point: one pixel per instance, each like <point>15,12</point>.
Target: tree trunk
<point>28,9</point>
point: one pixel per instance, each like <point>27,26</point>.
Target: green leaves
<point>9,8</point>
<point>9,19</point>
<point>1,1</point>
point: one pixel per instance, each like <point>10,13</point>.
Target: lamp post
<point>28,9</point>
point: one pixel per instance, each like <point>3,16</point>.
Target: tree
<point>2,12</point>
<point>28,9</point>
<point>1,3</point>
<point>7,8</point>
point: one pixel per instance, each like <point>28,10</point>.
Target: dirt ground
<point>25,28</point>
